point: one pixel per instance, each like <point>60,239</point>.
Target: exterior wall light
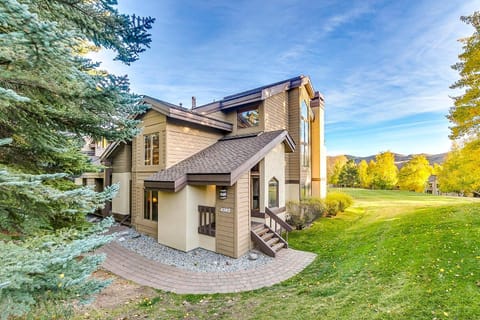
<point>222,194</point>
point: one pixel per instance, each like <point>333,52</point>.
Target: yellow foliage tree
<point>334,167</point>
<point>363,174</point>
<point>461,171</point>
<point>414,174</point>
<point>384,172</point>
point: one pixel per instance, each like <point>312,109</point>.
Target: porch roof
<point>222,163</point>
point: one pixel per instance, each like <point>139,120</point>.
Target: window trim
<point>151,151</point>
<point>305,136</point>
<point>150,206</point>
<point>247,109</point>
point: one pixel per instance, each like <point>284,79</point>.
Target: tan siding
<point>152,118</point>
<point>152,122</point>
<point>293,159</point>
<point>225,224</point>
<point>122,159</point>
<point>243,216</point>
<point>219,115</point>
<point>276,113</point>
<point>183,142</point>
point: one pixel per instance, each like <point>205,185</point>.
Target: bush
<point>331,207</point>
<point>304,212</point>
<point>337,202</point>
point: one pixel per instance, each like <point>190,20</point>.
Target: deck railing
<point>206,223</point>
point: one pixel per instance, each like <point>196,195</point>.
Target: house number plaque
<point>226,210</point>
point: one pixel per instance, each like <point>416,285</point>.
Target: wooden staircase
<point>267,240</point>
<point>268,237</point>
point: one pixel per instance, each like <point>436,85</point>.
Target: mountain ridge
<point>400,159</point>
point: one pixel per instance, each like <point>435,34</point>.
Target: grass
<point>393,255</point>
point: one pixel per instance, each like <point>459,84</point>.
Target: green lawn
<point>393,255</point>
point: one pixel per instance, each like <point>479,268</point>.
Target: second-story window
<point>247,118</point>
<point>152,149</point>
<point>305,140</point>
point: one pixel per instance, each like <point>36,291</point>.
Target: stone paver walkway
<point>132,266</point>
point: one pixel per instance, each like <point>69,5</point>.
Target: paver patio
<point>134,267</point>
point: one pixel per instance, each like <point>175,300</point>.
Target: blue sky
<point>383,66</point>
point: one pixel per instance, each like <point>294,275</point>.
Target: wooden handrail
<point>275,218</point>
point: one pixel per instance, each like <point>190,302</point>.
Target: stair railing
<point>278,224</point>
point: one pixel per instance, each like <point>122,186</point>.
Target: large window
<point>305,140</point>
<point>273,193</point>
<point>150,208</point>
<point>152,149</point>
<point>247,118</point>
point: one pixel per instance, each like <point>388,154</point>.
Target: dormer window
<point>152,149</point>
<point>247,118</point>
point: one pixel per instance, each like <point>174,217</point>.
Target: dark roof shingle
<point>223,161</point>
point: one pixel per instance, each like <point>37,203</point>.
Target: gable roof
<point>176,112</point>
<point>222,163</point>
<point>257,94</point>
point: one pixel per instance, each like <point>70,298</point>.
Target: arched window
<point>273,193</point>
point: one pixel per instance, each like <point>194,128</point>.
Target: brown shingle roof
<point>222,163</point>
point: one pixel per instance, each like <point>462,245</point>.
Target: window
<point>152,149</point>
<point>255,187</point>
<point>206,220</point>
<point>273,193</point>
<point>150,210</point>
<point>247,118</point>
<point>305,141</point>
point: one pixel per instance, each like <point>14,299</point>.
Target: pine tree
<point>51,97</point>
<point>349,175</point>
<point>465,114</point>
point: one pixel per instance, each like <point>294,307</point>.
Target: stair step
<point>257,227</point>
<point>267,236</point>
<point>262,232</point>
<point>272,241</point>
<point>278,246</point>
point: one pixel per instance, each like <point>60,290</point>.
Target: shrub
<point>337,202</point>
<point>295,216</point>
<point>331,207</point>
<point>305,212</point>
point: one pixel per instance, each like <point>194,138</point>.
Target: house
<point>218,176</point>
<point>432,185</point>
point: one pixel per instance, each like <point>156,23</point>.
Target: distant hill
<point>401,159</point>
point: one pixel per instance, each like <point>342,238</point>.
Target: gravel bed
<point>199,260</point>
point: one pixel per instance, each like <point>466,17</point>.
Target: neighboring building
<point>432,185</point>
<point>216,175</point>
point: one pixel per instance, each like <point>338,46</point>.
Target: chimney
<point>194,102</point>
